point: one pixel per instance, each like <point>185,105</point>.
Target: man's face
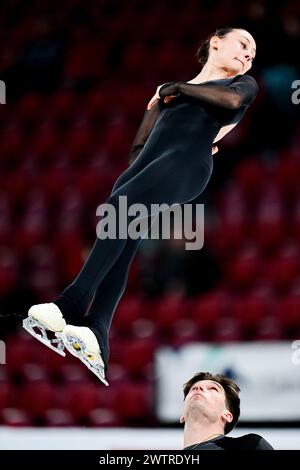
<point>206,399</point>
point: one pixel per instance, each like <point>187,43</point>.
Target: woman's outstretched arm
<point>241,92</point>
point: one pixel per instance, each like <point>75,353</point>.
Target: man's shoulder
<point>250,441</point>
<point>253,436</point>
<point>253,441</point>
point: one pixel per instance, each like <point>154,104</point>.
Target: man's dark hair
<point>203,49</point>
<point>231,393</point>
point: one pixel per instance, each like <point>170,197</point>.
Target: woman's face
<point>235,52</point>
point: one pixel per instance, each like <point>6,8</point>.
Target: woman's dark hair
<point>203,49</point>
<point>231,393</point>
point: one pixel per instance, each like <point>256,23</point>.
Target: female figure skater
<point>171,162</point>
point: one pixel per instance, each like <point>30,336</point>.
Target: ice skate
<point>82,343</point>
<point>46,323</point>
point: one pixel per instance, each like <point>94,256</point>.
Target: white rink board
<point>267,373</point>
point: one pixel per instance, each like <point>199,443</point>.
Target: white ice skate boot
<point>82,343</point>
<point>46,318</point>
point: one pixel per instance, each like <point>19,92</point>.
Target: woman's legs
<point>108,296</point>
<point>74,313</point>
<point>168,179</point>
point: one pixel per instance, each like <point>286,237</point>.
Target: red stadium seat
<point>135,99</point>
<point>97,103</point>
<point>185,330</point>
<point>286,174</point>
<point>43,270</point>
<point>35,397</point>
<point>166,310</point>
<point>116,373</point>
<point>133,57</point>
<point>232,224</point>
<point>29,107</point>
<point>269,329</point>
<point>282,269</point>
<point>56,417</point>
<point>129,309</point>
<point>62,104</point>
<point>15,417</point>
<point>211,306</point>
<point>287,309</point>
<point>8,270</point>
<point>33,372</point>
<point>144,328</point>
<point>269,226</point>
<point>6,389</point>
<point>243,270</point>
<point>20,181</point>
<point>227,329</point>
<point>78,398</point>
<point>94,183</point>
<point>252,307</point>
<point>71,372</point>
<point>55,181</point>
<point>103,417</point>
<point>295,225</point>
<point>45,137</point>
<point>137,356</point>
<point>134,402</point>
<point>167,55</point>
<point>75,68</point>
<point>12,139</point>
<point>18,352</point>
<point>5,218</point>
<point>250,176</point>
<point>33,225</point>
<point>49,360</point>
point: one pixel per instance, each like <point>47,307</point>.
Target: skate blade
<point>56,345</point>
<point>78,349</point>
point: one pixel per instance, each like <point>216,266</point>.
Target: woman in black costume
<point>170,162</point>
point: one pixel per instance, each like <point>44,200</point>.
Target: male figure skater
<point>211,410</point>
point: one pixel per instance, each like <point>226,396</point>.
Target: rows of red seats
<point>39,387</point>
<point>112,22</point>
<point>49,266</point>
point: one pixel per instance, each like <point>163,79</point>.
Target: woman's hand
<point>167,99</point>
<point>156,97</point>
<point>215,149</point>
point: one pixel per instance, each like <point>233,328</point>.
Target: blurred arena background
<point>78,77</point>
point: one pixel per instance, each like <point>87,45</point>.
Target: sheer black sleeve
<point>146,126</point>
<point>239,93</point>
<point>247,87</point>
